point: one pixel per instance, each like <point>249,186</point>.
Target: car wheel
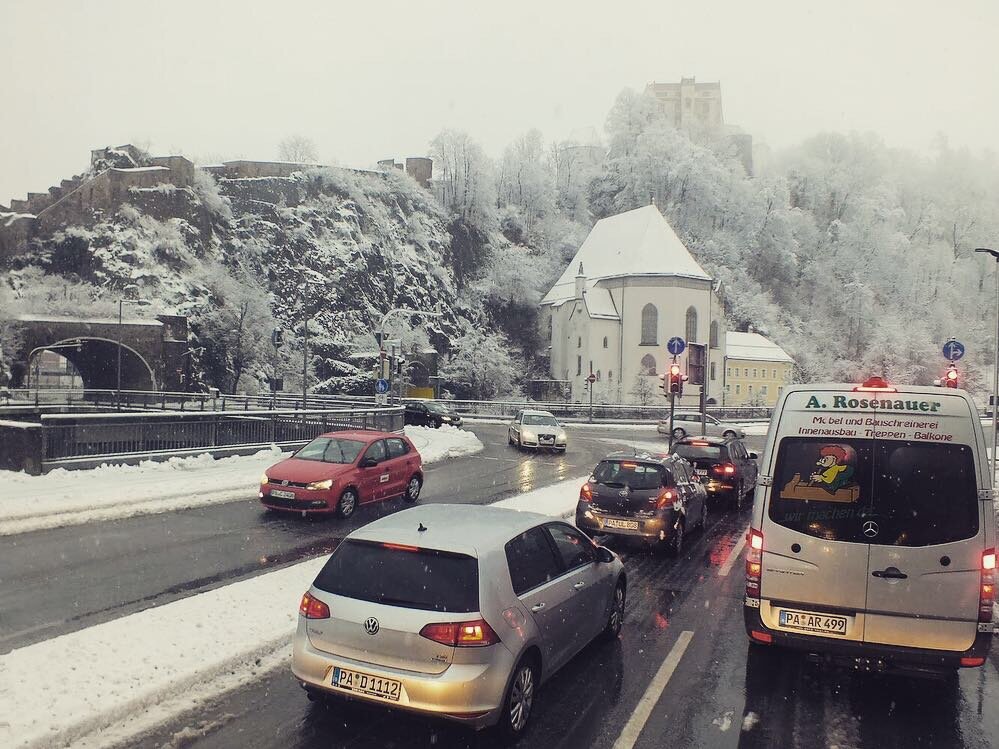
<point>519,699</point>
<point>616,617</point>
<point>729,434</point>
<point>676,545</point>
<point>509,439</point>
<point>413,489</point>
<point>347,504</point>
<point>679,433</point>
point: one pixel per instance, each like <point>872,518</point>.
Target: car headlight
<point>264,479</point>
<point>560,436</point>
<point>445,418</point>
<point>319,485</point>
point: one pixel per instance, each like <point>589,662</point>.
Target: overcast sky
<point>370,80</point>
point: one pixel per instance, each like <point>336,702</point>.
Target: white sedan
<point>536,429</point>
<point>690,423</point>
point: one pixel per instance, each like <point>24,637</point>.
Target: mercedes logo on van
<point>871,529</point>
<point>371,625</point>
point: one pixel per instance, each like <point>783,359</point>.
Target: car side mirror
<point>604,554</point>
<point>753,456</point>
<point>368,463</point>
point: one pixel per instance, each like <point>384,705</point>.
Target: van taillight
<point>474,634</point>
<point>987,596</point>
<point>754,564</point>
<point>585,493</point>
<point>312,608</point>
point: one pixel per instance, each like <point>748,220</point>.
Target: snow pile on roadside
<point>111,492</point>
<point>440,444</point>
<point>558,500</point>
<point>115,670</point>
<point>126,676</point>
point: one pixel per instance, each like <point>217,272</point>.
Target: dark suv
<point>655,497</point>
<point>724,466</point>
<point>430,414</point>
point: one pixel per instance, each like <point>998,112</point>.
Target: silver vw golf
<point>459,611</point>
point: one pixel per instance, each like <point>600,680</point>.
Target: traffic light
<point>950,379</point>
<point>675,379</point>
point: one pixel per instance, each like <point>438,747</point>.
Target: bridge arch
<point>96,359</point>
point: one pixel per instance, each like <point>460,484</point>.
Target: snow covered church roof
<point>634,243</point>
<point>754,347</point>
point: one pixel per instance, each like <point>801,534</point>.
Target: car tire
<point>676,541</point>
<point>728,434</point>
<point>679,433</point>
<point>509,439</point>
<point>521,695</point>
<point>615,619</point>
<point>347,504</point>
<point>413,489</point>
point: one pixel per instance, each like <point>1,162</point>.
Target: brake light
<point>972,661</point>
<point>987,593</point>
<point>665,498</point>
<point>754,564</point>
<point>585,493</point>
<point>629,465</point>
<point>724,468</point>
<point>400,547</point>
<point>312,608</point>
<point>473,634</point>
<point>701,444</point>
<point>764,637</point>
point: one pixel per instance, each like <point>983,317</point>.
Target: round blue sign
<point>381,387</point>
<point>676,345</point>
<point>953,350</point>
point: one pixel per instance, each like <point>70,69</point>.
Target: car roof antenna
<point>421,528</point>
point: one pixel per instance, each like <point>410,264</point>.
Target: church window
<point>648,364</point>
<point>691,324</point>
<point>650,325</point>
<point>712,371</point>
<point>579,366</point>
<point>605,341</point>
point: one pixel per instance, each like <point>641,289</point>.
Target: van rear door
<point>926,538</point>
<point>815,559</point>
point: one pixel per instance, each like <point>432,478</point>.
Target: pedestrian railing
<point>70,436</point>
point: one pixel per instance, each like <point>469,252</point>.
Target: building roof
<point>633,243</point>
<point>600,304</point>
<point>754,347</point>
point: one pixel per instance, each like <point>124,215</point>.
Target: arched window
<point>691,324</point>
<point>598,375</point>
<point>650,325</point>
<point>605,341</point>
<point>648,364</point>
<point>610,375</point>
<point>713,335</point>
<point>712,371</point>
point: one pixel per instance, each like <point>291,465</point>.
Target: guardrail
<point>72,439</point>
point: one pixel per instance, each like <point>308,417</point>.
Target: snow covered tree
<point>480,366</point>
<point>466,180</point>
<point>299,149</point>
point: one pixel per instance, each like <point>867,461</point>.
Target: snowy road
<point>680,675</point>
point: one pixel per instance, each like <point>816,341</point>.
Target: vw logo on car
<point>371,625</point>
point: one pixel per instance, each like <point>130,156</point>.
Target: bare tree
<point>299,149</point>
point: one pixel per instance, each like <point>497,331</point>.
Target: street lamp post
<point>995,372</point>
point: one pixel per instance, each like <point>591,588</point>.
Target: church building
<point>632,286</point>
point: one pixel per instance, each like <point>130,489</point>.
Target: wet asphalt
<point>723,692</point>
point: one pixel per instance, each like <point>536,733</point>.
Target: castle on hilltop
<point>121,174</point>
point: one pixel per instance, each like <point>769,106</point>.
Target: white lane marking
<point>633,728</point>
<point>733,555</point>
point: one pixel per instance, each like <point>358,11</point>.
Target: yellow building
<point>756,369</point>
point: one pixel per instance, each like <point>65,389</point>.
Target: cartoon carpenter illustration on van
<point>829,480</point>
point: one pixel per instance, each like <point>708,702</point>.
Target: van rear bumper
<point>865,656</point>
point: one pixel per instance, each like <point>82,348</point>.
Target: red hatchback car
<point>339,470</point>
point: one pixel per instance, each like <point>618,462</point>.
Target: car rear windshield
<point>331,450</point>
<point>894,493</point>
<point>630,473</point>
<point>694,452</point>
<point>402,576</point>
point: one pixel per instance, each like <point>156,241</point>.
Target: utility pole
<point>995,372</point>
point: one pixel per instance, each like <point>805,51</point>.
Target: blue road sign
<point>953,350</point>
<point>676,345</point>
<point>381,387</point>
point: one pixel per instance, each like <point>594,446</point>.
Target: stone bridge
<point>152,350</point>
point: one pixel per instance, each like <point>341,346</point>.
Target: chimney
<point>580,282</point>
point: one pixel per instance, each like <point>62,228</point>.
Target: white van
<point>873,532</point>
